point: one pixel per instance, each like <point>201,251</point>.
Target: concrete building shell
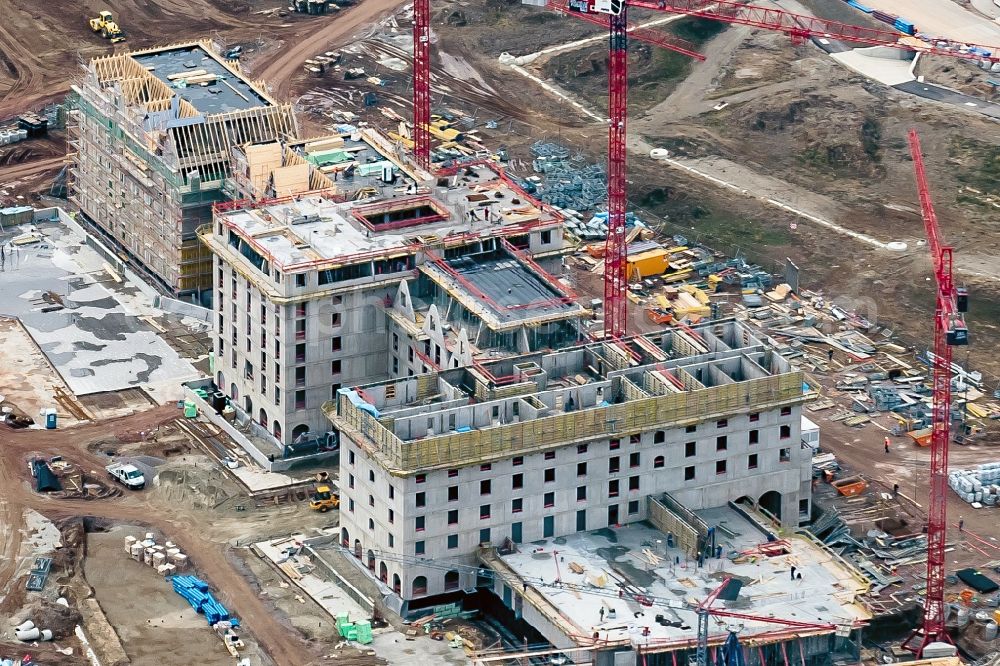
<point>550,444</point>
<point>312,294</point>
<point>152,153</point>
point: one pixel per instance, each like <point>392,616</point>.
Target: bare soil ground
<point>179,513</point>
<point>38,70</point>
<point>29,167</point>
<point>155,625</point>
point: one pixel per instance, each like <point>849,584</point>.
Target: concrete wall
<point>366,515</point>
<point>347,328</point>
<point>260,457</point>
<point>344,323</point>
<point>538,621</point>
<point>183,308</point>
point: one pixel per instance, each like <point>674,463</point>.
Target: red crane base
<point>918,640</point>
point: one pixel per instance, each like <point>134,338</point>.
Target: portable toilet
<point>50,419</point>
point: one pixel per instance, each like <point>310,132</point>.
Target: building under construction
<point>549,444</point>
<point>375,277</point>
<point>153,139</point>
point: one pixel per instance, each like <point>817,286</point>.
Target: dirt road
<point>210,558</point>
<point>279,68</point>
<point>17,171</point>
<point>861,451</point>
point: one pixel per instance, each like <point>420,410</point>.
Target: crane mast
<point>949,330</point>
<point>422,83</point>
<point>615,280</point>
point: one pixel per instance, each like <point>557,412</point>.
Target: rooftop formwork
<point>545,400</point>
<point>153,135</point>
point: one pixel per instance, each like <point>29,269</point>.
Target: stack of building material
<point>567,182</point>
<point>196,592</point>
<point>979,486</point>
<point>167,559</point>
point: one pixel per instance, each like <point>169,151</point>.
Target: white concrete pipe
<point>25,626</point>
<point>29,635</point>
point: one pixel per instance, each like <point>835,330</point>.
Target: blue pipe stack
<point>195,591</point>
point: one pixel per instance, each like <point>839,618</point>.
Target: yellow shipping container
<point>647,264</point>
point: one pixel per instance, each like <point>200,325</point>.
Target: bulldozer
<point>106,25</point>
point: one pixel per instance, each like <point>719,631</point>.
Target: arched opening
<point>300,430</point>
<point>419,585</point>
<point>345,538</point>
<point>383,573</point>
<point>276,429</point>
<point>262,418</point>
<point>357,548</point>
<point>451,581</point>
<point>746,501</point>
<point>658,462</point>
<point>371,560</point>
<point>397,586</point>
<point>248,406</point>
<point>234,393</point>
<point>771,502</point>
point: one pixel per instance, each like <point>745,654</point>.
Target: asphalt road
<point>937,93</point>
<point>987,7</point>
<point>926,90</point>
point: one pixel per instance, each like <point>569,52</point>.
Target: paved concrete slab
<point>94,337</point>
<point>823,595</point>
<point>889,71</point>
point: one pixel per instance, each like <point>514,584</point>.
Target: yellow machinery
<point>324,499</point>
<point>106,25</point>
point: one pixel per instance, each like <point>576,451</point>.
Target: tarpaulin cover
<point>977,581</point>
<point>731,652</point>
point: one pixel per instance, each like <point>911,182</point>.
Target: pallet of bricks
<point>166,558</point>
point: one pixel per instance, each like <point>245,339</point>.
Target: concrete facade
<point>557,479</point>
<point>309,299</point>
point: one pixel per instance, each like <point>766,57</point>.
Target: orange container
<point>967,596</point>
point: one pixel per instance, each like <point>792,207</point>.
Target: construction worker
<point>961,524</point>
<point>886,444</point>
<point>793,572</point>
<point>829,355</point>
<point>895,489</point>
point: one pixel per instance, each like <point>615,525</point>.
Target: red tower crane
<point>949,330</point>
<point>799,27</point>
<point>422,83</point>
<point>422,65</point>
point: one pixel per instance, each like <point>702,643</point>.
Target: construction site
<point>603,332</point>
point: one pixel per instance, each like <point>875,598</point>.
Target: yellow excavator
<point>106,25</point>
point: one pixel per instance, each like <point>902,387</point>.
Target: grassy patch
<point>717,228</point>
<point>978,162</point>
<point>653,71</point>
